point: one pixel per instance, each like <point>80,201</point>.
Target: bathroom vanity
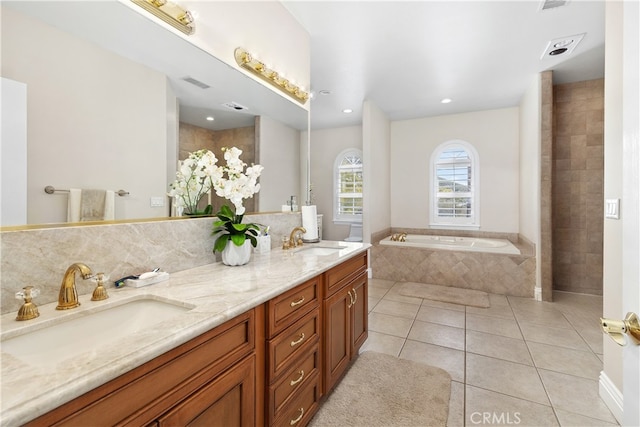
<point>259,344</point>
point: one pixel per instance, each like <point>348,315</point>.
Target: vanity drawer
<point>139,396</point>
<point>287,346</point>
<point>300,410</point>
<point>342,274</point>
<point>285,309</point>
<point>284,390</point>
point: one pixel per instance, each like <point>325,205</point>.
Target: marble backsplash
<point>40,257</point>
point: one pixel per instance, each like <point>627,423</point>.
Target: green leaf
<point>240,227</point>
<point>226,211</point>
<point>238,239</point>
<point>221,243</point>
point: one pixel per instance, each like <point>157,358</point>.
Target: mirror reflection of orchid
<point>235,184</point>
<point>193,182</point>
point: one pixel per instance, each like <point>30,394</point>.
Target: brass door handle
<point>350,304</point>
<point>617,329</point>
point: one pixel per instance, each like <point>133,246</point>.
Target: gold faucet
<point>401,237</point>
<point>292,237</point>
<point>68,297</point>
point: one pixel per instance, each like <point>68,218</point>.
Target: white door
<point>631,204</point>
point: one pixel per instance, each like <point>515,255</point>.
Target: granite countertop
<point>211,294</point>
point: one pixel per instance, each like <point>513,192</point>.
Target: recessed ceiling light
<point>325,92</point>
<point>347,110</point>
<point>445,100</point>
<point>563,45</point>
<point>210,118</point>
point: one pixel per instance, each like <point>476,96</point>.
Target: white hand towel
<point>109,206</point>
<point>92,205</point>
<point>73,205</point>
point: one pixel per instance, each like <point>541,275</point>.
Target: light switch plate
<point>612,208</point>
<point>157,202</point>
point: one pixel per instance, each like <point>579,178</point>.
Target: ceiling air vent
<point>235,106</point>
<point>196,82</point>
<point>552,4</point>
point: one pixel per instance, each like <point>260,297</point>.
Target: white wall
<point>494,134</point>
<point>281,160</point>
<point>13,153</point>
<point>530,140</point>
<point>93,153</point>
<point>376,137</point>
<point>326,144</point>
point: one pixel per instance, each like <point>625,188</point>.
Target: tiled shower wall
<point>578,182</point>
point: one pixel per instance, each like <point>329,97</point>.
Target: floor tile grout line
<point>464,373</point>
<point>544,386</point>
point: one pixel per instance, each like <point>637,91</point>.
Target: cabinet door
<point>337,331</point>
<point>359,313</point>
<point>227,401</point>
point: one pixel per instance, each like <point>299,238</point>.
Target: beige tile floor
<point>519,362</point>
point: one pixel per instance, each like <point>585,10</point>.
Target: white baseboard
<point>611,396</point>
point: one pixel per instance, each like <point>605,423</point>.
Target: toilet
<point>355,233</point>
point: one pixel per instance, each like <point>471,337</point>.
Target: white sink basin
<point>319,250</point>
<point>86,331</point>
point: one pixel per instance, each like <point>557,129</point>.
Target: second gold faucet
<point>293,241</point>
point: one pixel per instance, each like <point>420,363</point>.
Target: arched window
<point>347,172</point>
<point>454,189</point>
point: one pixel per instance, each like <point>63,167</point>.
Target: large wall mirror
<point>113,101</point>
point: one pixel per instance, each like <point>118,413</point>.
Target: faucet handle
<point>27,292</point>
<point>100,292</point>
<point>28,310</point>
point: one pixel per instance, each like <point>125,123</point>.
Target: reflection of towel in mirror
<point>90,205</point>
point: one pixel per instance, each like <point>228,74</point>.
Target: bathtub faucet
<point>401,237</point>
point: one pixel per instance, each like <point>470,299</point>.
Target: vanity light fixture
<point>170,13</point>
<point>258,68</point>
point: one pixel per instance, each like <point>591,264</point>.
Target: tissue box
<point>138,283</point>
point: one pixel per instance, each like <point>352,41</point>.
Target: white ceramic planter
<point>236,255</point>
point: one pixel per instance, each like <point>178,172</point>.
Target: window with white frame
<point>454,193</point>
<point>347,172</point>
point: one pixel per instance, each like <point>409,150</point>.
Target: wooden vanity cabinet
<point>345,317</point>
<point>293,356</point>
<point>210,380</point>
<point>269,366</point>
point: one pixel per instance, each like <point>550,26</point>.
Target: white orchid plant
<point>193,182</point>
<point>235,184</point>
